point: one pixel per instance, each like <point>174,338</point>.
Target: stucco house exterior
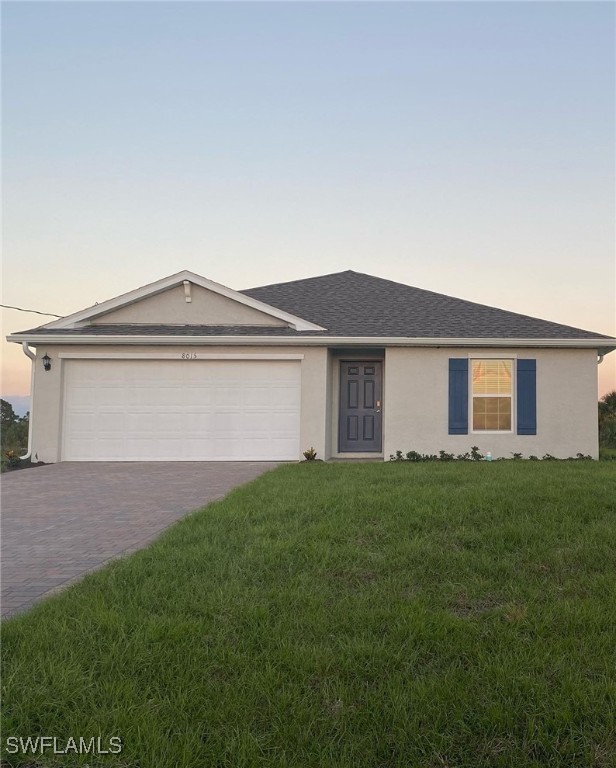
<point>350,364</point>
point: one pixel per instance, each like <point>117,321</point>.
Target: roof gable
<point>118,308</point>
<point>187,305</point>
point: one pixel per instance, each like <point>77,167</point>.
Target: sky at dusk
<point>466,148</point>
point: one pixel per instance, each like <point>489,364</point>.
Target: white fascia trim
<point>102,355</point>
<point>607,345</point>
<point>70,321</point>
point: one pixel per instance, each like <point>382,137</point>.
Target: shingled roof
<point>354,304</point>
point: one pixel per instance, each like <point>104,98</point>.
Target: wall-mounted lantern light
<point>46,362</point>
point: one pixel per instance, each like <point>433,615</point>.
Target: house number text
<point>189,355</point>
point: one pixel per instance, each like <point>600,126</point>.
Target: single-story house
<point>185,369</point>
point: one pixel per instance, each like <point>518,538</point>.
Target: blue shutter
<point>527,397</point>
<point>458,396</point>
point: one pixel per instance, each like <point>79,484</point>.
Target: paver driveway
<point>63,520</point>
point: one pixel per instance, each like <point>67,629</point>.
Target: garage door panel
<point>84,421</point>
<point>173,410</point>
<point>227,448</point>
<point>227,422</point>
<point>228,395</point>
<point>88,450</point>
<point>282,423</point>
<point>285,398</point>
<point>197,397</point>
<point>258,396</point>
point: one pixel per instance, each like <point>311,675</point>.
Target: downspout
<point>29,353</point>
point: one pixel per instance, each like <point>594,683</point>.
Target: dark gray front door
<point>360,406</point>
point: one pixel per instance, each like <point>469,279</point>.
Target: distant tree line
<point>607,420</point>
<point>13,429</point>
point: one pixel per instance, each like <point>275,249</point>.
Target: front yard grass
<point>356,616</point>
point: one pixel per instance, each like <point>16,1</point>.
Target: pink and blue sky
<point>467,148</point>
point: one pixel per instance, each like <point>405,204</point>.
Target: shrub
<point>12,459</point>
<point>476,455</point>
<point>414,456</point>
<point>444,456</point>
<point>310,454</point>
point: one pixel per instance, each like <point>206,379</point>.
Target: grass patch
<point>369,615</point>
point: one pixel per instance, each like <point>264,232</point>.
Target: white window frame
<point>471,397</point>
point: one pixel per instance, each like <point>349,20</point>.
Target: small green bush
<point>444,456</point>
<point>476,455</point>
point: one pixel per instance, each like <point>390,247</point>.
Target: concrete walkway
<point>63,520</point>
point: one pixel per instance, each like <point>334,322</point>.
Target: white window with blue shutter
<point>493,395</point>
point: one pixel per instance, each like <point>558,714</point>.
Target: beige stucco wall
<point>415,400</point>
<point>206,308</point>
<point>416,404</point>
<point>49,387</point>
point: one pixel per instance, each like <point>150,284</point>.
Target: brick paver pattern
<point>61,521</point>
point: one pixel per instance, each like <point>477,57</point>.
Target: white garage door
<point>177,410</point>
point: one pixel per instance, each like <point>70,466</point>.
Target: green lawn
<point>328,615</point>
